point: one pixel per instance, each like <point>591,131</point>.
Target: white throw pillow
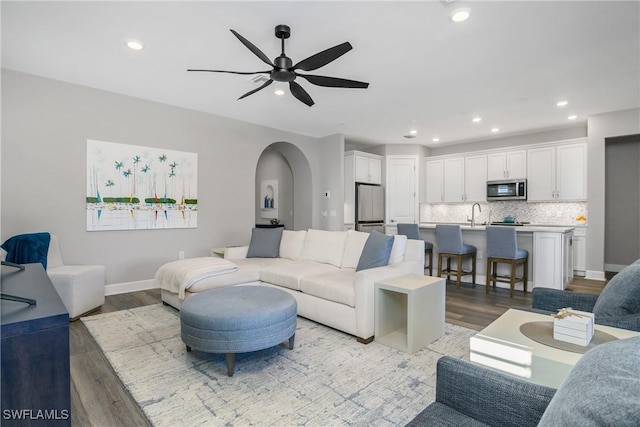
<point>353,248</point>
<point>324,246</point>
<point>398,248</point>
<point>291,244</point>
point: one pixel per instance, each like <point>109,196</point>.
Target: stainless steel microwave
<point>510,189</point>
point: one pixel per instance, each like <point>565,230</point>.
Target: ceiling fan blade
<point>323,58</point>
<point>300,93</point>
<point>234,72</point>
<point>267,83</point>
<point>257,52</point>
<point>333,81</point>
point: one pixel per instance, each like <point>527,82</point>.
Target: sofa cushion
<point>621,296</point>
<point>398,248</point>
<point>291,244</point>
<point>376,251</point>
<point>288,275</point>
<point>337,286</point>
<point>324,246</point>
<point>601,389</point>
<point>353,248</point>
<point>265,243</point>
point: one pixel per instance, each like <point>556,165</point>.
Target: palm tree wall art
<point>156,188</point>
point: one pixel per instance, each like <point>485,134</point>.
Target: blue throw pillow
<point>621,296</point>
<point>376,251</point>
<point>28,248</point>
<point>265,243</point>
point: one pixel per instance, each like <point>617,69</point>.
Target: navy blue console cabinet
<point>35,351</point>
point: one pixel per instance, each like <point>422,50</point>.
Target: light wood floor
<point>98,398</point>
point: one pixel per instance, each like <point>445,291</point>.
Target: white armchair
<point>81,287</point>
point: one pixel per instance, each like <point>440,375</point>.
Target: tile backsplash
<point>556,213</point>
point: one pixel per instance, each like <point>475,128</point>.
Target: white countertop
<point>523,228</point>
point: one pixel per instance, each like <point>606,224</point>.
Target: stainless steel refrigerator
<point>369,208</point>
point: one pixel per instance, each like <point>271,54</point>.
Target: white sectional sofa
<point>318,268</point>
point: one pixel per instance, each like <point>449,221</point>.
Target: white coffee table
<point>409,311</point>
<point>502,346</point>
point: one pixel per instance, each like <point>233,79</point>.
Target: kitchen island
<point>550,253</point>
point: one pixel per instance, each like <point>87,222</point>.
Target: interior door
<point>402,198</point>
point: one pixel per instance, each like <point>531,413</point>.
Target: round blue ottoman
<point>238,319</point>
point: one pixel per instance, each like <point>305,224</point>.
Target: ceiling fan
<point>284,70</point>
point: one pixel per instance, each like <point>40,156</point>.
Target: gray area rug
<point>328,379</point>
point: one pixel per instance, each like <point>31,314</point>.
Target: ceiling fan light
<point>461,14</point>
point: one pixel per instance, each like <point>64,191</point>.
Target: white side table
<point>409,311</point>
<point>217,252</point>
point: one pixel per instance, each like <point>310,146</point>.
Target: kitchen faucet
<point>473,213</point>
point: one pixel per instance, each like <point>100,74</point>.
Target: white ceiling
<point>509,63</point>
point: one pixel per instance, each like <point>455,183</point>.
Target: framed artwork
<point>131,187</point>
<point>269,199</point>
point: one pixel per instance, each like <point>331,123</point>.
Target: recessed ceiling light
<point>476,119</point>
<point>562,103</point>
<point>435,139</point>
<point>572,117</point>
<point>279,92</point>
<point>495,130</point>
<point>460,15</point>
<point>413,131</point>
<point>135,44</point>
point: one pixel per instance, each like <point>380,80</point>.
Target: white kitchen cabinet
<point>579,251</point>
<point>553,266</point>
<point>456,179</point>
<point>571,172</point>
<point>507,165</point>
<point>367,167</point>
<point>557,173</point>
<point>541,179</point>
<point>434,173</point>
<point>475,178</point>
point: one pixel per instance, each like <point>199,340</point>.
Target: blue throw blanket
<point>28,248</point>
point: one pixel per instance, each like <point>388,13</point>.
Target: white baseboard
<point>616,268</point>
<point>595,275</point>
<point>123,288</point>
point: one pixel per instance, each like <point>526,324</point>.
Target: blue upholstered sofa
<point>602,389</point>
<point>618,304</point>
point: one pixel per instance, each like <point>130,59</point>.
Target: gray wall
<point>331,157</point>
<point>601,126</point>
<point>45,125</point>
<point>622,201</point>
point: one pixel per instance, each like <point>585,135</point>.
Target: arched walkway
<point>286,164</point>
